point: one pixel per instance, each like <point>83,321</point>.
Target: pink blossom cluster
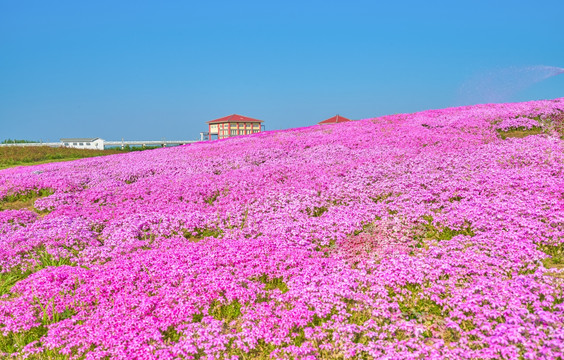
<point>517,123</point>
<point>408,236</point>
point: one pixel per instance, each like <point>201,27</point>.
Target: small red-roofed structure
<point>233,125</point>
<point>334,120</point>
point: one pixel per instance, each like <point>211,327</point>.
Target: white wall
<point>95,145</point>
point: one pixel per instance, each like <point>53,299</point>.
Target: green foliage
<point>227,312</point>
<point>46,260</point>
<point>197,318</point>
<point>520,132</point>
<point>366,228</point>
<point>262,297</point>
<point>430,231</point>
<point>298,336</point>
<point>27,195</point>
<point>400,335</point>
<point>9,279</point>
<point>413,306</point>
<point>29,155</point>
<point>318,321</point>
<point>556,253</point>
<point>381,197</point>
<point>261,351</point>
<point>331,244</point>
<point>13,342</point>
<point>171,335</point>
<point>16,141</point>
<point>451,335</point>
<point>130,148</point>
<point>212,198</point>
<point>245,216</point>
<point>97,227</point>
<point>43,260</point>
<point>359,317</point>
<point>421,307</point>
<point>427,334</point>
<point>49,354</point>
<point>198,234</point>
<point>527,269</point>
<point>467,325</point>
<point>50,315</point>
<point>273,283</point>
<point>447,233</point>
<point>316,211</point>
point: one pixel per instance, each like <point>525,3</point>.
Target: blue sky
<point>160,69</point>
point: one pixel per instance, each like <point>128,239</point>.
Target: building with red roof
<point>233,125</point>
<point>334,120</point>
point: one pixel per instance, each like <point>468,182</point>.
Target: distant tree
<point>15,141</point>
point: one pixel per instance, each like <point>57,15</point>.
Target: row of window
<point>239,132</point>
<point>224,133</point>
<point>242,126</point>
<point>75,144</point>
<point>243,132</point>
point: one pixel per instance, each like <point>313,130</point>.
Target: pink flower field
<point>412,236</point>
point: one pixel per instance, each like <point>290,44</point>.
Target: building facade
<point>233,125</point>
<point>84,143</point>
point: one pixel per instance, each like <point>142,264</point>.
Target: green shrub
<point>273,283</point>
<point>227,312</point>
<point>171,335</point>
<point>9,279</point>
<point>13,342</point>
<point>519,132</point>
<point>556,253</point>
<point>429,231</point>
<point>24,200</point>
<point>316,211</point>
<point>198,234</point>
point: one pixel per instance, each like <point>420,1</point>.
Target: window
<point>87,143</point>
<point>66,144</point>
<point>81,144</point>
<point>233,132</point>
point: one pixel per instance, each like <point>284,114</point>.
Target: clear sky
<point>161,69</point>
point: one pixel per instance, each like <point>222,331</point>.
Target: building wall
<point>225,130</point>
<point>94,145</point>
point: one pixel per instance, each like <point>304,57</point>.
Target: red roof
<point>233,118</point>
<point>335,119</point>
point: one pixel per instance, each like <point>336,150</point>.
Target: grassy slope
<point>16,156</point>
<point>231,311</point>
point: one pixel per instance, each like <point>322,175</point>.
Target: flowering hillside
<point>432,235</point>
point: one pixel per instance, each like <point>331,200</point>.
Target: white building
<point>84,143</point>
